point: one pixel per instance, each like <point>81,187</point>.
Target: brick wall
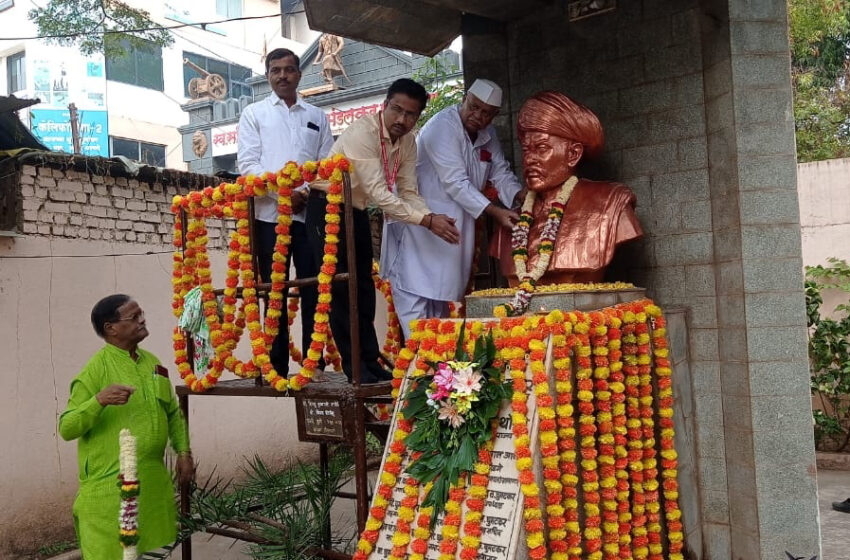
<point>67,203</point>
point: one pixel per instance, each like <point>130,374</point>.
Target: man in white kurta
<point>458,156</point>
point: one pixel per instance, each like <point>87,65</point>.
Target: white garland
<point>129,512</point>
<point>548,233</point>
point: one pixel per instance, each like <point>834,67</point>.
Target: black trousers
<point>370,369</point>
<point>305,267</point>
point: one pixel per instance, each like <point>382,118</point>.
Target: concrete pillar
<point>769,447</point>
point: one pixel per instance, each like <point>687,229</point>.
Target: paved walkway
<point>833,486</point>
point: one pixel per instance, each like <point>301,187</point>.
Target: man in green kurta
<point>123,386</point>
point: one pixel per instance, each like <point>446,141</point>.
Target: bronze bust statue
<point>556,133</point>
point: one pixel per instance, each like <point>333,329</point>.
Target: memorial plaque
<point>502,534</point>
<point>320,420</point>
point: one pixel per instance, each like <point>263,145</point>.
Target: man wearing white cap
<point>458,156</point>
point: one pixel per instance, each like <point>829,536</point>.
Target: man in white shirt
<point>458,156</point>
<point>272,132</point>
<point>383,158</point>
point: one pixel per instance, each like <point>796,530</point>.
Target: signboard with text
<point>53,128</point>
<point>321,419</point>
<point>340,116</point>
<point>225,139</point>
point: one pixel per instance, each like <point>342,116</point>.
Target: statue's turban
<point>554,113</point>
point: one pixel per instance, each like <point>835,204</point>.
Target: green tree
<point>98,26</point>
<point>435,76</point>
<point>820,68</point>
<point>829,354</point>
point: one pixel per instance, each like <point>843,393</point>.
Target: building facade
<point>131,106</point>
<point>211,137</point>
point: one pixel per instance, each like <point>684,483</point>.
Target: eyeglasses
<point>136,317</point>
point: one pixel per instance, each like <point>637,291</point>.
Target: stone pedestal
<point>482,306</point>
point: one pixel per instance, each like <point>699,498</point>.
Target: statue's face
<point>548,160</point>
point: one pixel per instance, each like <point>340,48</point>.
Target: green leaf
<point>460,348</point>
<point>479,353</point>
<point>414,407</point>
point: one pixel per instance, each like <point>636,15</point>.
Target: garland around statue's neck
<point>519,247</point>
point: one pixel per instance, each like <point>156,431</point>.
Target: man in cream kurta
<point>383,159</point>
<point>458,155</point>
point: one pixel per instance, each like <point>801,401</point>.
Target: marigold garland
<point>471,540</point>
<point>406,515</point>
<point>383,494</point>
<point>330,169</point>
<point>640,542</point>
<point>191,268</point>
<point>650,462</point>
<point>619,420</point>
<point>548,436</point>
<point>233,321</point>
<point>562,341</point>
<point>332,356</point>
<point>616,458</point>
<point>452,522</point>
<point>392,342</point>
<point>422,532</point>
<point>669,460</point>
<point>532,514</point>
<point>605,439</point>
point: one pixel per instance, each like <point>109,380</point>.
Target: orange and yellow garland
<point>392,343</point>
<point>615,461</point>
<point>192,268</point>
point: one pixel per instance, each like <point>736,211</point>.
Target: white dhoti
<point>410,307</point>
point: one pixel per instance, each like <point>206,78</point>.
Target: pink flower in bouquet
<point>445,377</point>
<point>440,394</point>
<point>449,413</point>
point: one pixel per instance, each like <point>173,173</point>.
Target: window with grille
<point>140,66</point>
<point>16,72</point>
<point>143,152</point>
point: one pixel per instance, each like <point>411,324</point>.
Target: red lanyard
<point>384,159</point>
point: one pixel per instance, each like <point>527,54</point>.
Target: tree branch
<point>239,535</point>
<point>268,521</point>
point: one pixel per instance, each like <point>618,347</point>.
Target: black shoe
<point>843,507</point>
<point>374,373</point>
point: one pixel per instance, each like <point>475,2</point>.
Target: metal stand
<point>337,401</point>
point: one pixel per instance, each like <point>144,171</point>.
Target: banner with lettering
<point>225,139</point>
<point>53,128</point>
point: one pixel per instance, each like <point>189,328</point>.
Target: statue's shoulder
<point>611,192</point>
<point>602,186</point>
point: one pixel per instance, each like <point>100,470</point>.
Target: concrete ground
<point>833,486</point>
